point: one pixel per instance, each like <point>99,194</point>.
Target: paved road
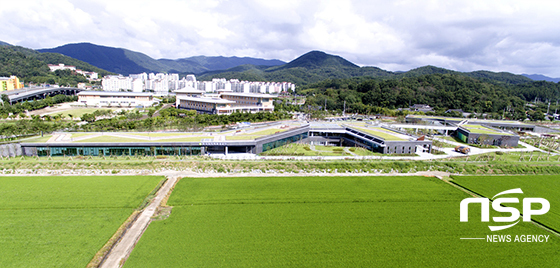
<point>122,250</point>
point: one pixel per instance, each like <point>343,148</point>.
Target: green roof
<point>479,129</point>
<point>125,137</point>
<point>382,133</point>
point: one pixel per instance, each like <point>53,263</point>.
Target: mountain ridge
<point>310,67</point>
<point>540,77</point>
<point>315,66</point>
<point>124,61</point>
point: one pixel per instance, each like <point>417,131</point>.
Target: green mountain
<point>318,60</point>
<point>124,61</point>
<point>311,67</point>
<point>4,44</point>
<point>540,77</point>
<point>492,77</point>
<point>116,60</point>
<point>317,66</point>
<point>223,63</point>
<point>32,66</point>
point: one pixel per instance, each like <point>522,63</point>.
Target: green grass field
<point>78,112</point>
<point>327,221</point>
<point>64,221</point>
<point>38,139</point>
<point>544,186</point>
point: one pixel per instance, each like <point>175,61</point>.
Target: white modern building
<point>116,99</point>
<point>61,66</point>
<point>225,102</point>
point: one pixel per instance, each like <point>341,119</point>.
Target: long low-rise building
<point>485,135</point>
<point>472,131</point>
<point>205,105</point>
<point>254,146</point>
<point>116,99</point>
<point>441,120</point>
<point>224,102</point>
<point>376,139</point>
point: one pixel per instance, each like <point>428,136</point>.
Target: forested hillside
<point>441,91</point>
<point>32,66</point>
<point>312,67</point>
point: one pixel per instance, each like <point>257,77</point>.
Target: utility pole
<point>344,109</point>
<point>325,104</point>
<point>548,109</point>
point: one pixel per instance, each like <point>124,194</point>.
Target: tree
<point>5,100</point>
<point>88,117</point>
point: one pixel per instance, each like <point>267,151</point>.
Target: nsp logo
<point>497,206</point>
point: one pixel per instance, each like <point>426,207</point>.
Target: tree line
<point>440,91</point>
<point>176,119</point>
<point>168,119</point>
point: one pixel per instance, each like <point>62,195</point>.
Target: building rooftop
<point>190,90</point>
<point>82,138</point>
<point>114,93</point>
<point>471,120</point>
<point>383,133</point>
<point>256,95</point>
<point>205,99</point>
<point>479,129</point>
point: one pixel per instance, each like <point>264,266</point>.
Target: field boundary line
<point>120,252</point>
<point>116,238</point>
<point>475,194</point>
<point>101,255</point>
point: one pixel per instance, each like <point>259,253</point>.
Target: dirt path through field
<point>122,249</point>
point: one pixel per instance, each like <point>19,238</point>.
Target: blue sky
<point>513,36</point>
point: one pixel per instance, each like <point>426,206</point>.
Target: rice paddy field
<point>329,221</point>
<point>63,221</point>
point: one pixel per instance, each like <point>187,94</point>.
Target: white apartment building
<point>117,83</point>
<point>161,84</point>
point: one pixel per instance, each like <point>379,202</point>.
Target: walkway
<point>122,249</point>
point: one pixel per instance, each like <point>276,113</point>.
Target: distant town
<point>161,84</point>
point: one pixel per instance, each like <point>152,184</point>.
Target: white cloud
<point>516,36</point>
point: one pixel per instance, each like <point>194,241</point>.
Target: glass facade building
<point>284,141</point>
<point>117,151</point>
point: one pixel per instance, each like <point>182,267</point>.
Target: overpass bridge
<point>26,94</point>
